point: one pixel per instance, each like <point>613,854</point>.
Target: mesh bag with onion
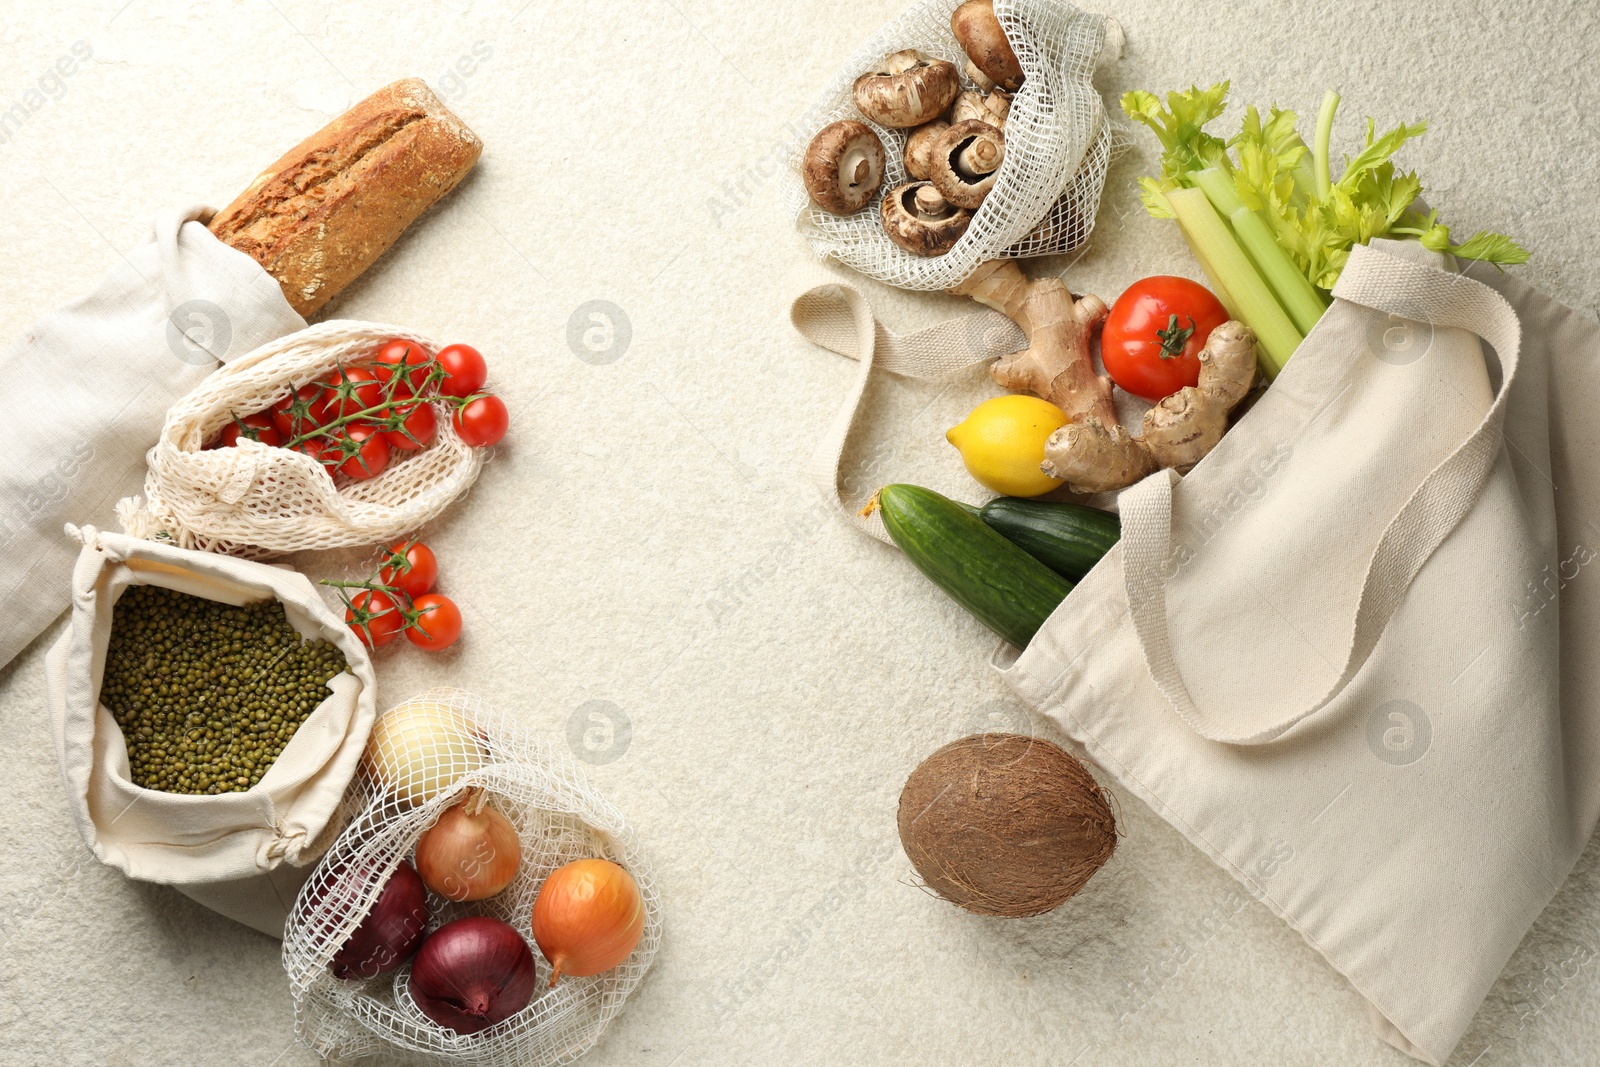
<point>1058,144</point>
<point>411,775</point>
<point>257,500</point>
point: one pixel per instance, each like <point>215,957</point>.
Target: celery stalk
<point>1229,269</point>
<point>1323,163</point>
<point>1303,303</point>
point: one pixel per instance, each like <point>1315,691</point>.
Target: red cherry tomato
<point>393,353</point>
<point>1152,338</point>
<point>417,574</point>
<point>348,391</point>
<point>464,370</point>
<point>295,413</point>
<point>321,450</point>
<point>419,426</point>
<point>366,462</point>
<point>439,624</point>
<point>373,617</point>
<point>258,426</point>
<point>482,422</point>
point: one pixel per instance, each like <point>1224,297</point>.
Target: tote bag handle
<point>1384,283</point>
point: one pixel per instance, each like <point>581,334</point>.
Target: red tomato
<point>416,574</point>
<point>419,426</point>
<point>482,422</point>
<point>438,625</point>
<point>1152,338</point>
<point>348,391</point>
<point>258,426</point>
<point>399,351</point>
<point>367,461</point>
<point>321,450</point>
<point>464,370</point>
<point>373,617</point>
<point>295,413</point>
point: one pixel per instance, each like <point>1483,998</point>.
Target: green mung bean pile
<point>207,694</point>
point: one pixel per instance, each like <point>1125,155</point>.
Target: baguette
<point>335,202</point>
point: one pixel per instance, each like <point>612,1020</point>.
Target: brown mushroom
<point>843,166</point>
<point>918,219</point>
<point>917,145</point>
<point>992,109</point>
<point>964,161</point>
<point>984,42</point>
<point>907,89</point>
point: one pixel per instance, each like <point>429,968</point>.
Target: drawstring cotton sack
<point>244,854</point>
<point>1058,144</point>
<point>559,818</point>
<point>257,500</point>
<point>1350,654</point>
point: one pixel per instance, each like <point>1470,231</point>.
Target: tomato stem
<point>1174,338</point>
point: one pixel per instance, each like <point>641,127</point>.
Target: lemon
<point>1002,443</point>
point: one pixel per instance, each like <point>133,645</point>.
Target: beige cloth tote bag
<point>245,854</point>
<point>1351,654</point>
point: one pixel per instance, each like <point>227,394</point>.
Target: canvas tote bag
<point>1349,655</point>
<point>242,854</point>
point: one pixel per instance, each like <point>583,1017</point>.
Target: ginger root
<point>1094,452</point>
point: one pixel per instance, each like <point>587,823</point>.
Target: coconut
<point>1002,824</point>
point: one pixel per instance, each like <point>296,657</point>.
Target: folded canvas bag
<point>242,854</point>
<point>1349,655</point>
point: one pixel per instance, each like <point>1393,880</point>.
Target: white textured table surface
<point>647,537</point>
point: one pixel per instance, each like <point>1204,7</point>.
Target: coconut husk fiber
<point>1003,824</point>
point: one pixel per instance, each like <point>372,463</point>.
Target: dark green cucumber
<point>1067,538</point>
<point>1005,588</point>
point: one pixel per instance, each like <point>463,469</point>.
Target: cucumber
<point>1005,588</point>
<point>1067,538</point>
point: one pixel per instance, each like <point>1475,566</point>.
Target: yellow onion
<point>472,852</point>
<point>587,918</point>
<point>421,748</point>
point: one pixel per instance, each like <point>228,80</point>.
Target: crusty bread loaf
<point>324,212</point>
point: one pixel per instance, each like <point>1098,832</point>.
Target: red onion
<point>472,973</point>
<point>391,931</point>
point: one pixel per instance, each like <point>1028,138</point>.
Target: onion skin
<point>391,931</point>
<point>472,973</point>
<point>471,853</point>
<point>587,918</point>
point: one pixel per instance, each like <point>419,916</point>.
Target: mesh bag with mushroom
<point>974,131</point>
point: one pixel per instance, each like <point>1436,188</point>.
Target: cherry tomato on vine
<point>347,391</point>
<point>1152,339</point>
<point>369,460</point>
<point>417,575</point>
<point>419,426</point>
<point>393,353</point>
<point>483,421</point>
<point>438,624</point>
<point>258,426</point>
<point>376,610</point>
<point>321,450</point>
<point>464,370</point>
<point>290,423</point>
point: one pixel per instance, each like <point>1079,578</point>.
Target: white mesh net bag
<point>559,819</point>
<point>258,500</point>
<point>1058,144</point>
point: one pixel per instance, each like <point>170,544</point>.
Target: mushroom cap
<point>979,33</point>
<point>965,160</point>
<point>843,166</point>
<point>914,229</point>
<point>917,145</point>
<point>907,89</point>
